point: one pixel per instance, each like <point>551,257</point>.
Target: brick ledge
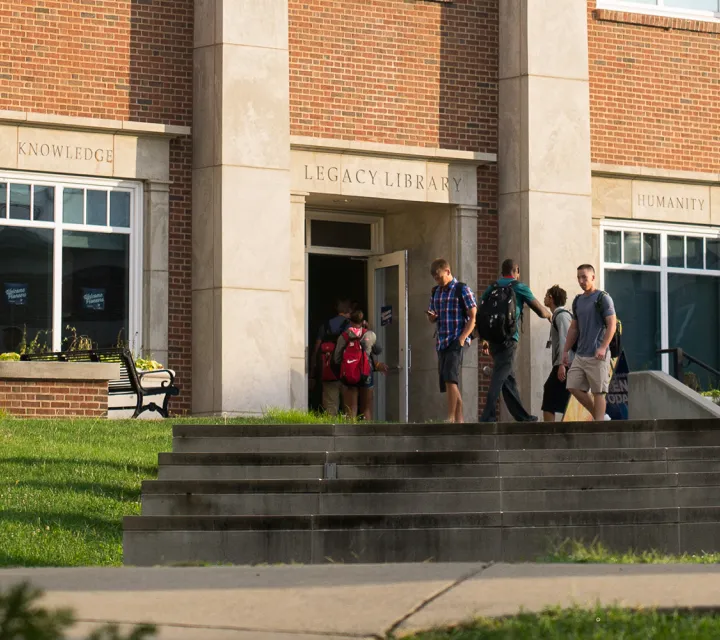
<point>82,371</point>
<point>658,22</point>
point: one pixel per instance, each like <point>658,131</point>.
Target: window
<point>665,282</point>
<point>339,233</point>
<point>691,9</point>
<point>70,258</point>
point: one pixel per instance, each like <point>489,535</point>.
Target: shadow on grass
<point>120,466</point>
<point>77,522</point>
<point>99,489</point>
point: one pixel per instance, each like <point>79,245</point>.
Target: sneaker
<point>607,417</point>
<point>487,371</point>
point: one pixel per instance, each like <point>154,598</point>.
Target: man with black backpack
<point>555,393</point>
<point>498,322</point>
<point>323,357</point>
<point>452,309</point>
<point>591,333</point>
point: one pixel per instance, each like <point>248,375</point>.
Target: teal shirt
<point>523,295</point>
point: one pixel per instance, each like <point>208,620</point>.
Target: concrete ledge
<point>92,124</point>
<point>82,371</point>
<point>359,147</point>
<point>654,173</point>
<point>654,394</point>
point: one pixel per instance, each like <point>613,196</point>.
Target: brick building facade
<point>184,171</point>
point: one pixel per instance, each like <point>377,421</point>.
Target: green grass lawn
<point>598,624</point>
<point>65,484</point>
<point>578,552</point>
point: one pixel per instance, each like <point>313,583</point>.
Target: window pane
<point>693,320</point>
<point>676,251</point>
<point>695,253</point>
<point>119,209</point>
<point>73,205</point>
<point>632,247</point>
<point>612,247</point>
<point>20,201</point>
<point>25,286</point>
<point>346,235</point>
<point>651,249</point>
<point>97,207</point>
<point>3,200</point>
<point>700,5</point>
<point>44,203</point>
<point>712,258</point>
<point>95,283</point>
<point>636,296</point>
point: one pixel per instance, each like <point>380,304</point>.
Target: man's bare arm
<point>539,309</point>
<point>469,325</point>
<point>610,328</point>
<point>572,335</point>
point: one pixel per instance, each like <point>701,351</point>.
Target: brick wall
<point>416,73</point>
<point>118,59</point>
<point>58,398</point>
<point>654,91</point>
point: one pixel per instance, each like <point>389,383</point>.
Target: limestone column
<point>241,207</point>
<point>156,277</point>
<point>544,159</point>
<point>298,351</point>
<point>465,265</point>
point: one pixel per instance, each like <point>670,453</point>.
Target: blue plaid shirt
<point>451,316</point>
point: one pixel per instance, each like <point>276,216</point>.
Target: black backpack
<point>461,302</point>
<point>497,314</point>
<point>616,343</point>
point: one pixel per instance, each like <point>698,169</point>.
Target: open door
<point>388,316</point>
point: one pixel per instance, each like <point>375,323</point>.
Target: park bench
<point>129,382</point>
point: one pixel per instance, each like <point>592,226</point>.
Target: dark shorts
<point>368,384</point>
<point>555,394</point>
<point>449,364</point>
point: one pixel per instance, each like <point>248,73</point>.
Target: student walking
<point>323,357</point>
<point>452,309</point>
<point>356,362</point>
<point>499,319</point>
<point>555,393</point>
<point>591,332</point>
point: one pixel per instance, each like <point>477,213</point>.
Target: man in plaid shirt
<point>452,309</point>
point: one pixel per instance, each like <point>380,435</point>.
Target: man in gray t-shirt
<point>591,332</point>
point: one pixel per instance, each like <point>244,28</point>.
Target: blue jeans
<point>503,380</point>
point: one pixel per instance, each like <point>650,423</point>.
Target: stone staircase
<point>246,494</point>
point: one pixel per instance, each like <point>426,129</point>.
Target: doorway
<point>330,278</point>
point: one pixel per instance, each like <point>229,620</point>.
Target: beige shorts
<point>589,374</point>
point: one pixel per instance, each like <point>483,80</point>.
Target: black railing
<point>679,360</point>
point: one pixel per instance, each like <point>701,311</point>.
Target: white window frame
<point>376,223</point>
<point>660,9</point>
<point>663,230</point>
<point>135,277</point>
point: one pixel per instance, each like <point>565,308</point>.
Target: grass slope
<point>576,624</point>
<point>65,484</point>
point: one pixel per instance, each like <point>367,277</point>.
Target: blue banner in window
<point>386,315</point>
<point>93,299</point>
<point>16,294</point>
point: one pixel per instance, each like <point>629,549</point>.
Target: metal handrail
<point>679,358</point>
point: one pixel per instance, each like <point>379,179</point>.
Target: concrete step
<point>456,495</point>
<point>433,437</point>
<point>435,464</point>
<point>507,537</point>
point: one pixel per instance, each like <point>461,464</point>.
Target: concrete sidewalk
<point>333,602</point>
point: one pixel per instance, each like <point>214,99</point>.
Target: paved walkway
<point>334,602</point>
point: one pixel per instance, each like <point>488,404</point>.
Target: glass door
<point>388,315</point>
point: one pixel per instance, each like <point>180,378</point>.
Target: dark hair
<point>343,306</point>
<point>508,266</point>
<point>586,267</point>
<point>558,294</point>
<point>438,264</point>
<point>357,316</point>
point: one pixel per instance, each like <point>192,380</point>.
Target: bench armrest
<point>142,374</point>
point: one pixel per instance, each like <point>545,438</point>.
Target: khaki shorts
<point>589,374</point>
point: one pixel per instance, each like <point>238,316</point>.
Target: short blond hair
<point>439,264</point>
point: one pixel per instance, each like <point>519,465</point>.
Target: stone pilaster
<point>241,207</point>
<point>298,293</point>
<point>156,280</point>
<point>465,265</point>
<point>544,159</point>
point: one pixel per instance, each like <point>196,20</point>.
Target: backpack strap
<point>556,317</point>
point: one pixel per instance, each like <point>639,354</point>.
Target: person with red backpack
<point>355,362</point>
<point>322,366</point>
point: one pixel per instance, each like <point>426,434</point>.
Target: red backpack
<point>328,369</point>
<point>354,363</point>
